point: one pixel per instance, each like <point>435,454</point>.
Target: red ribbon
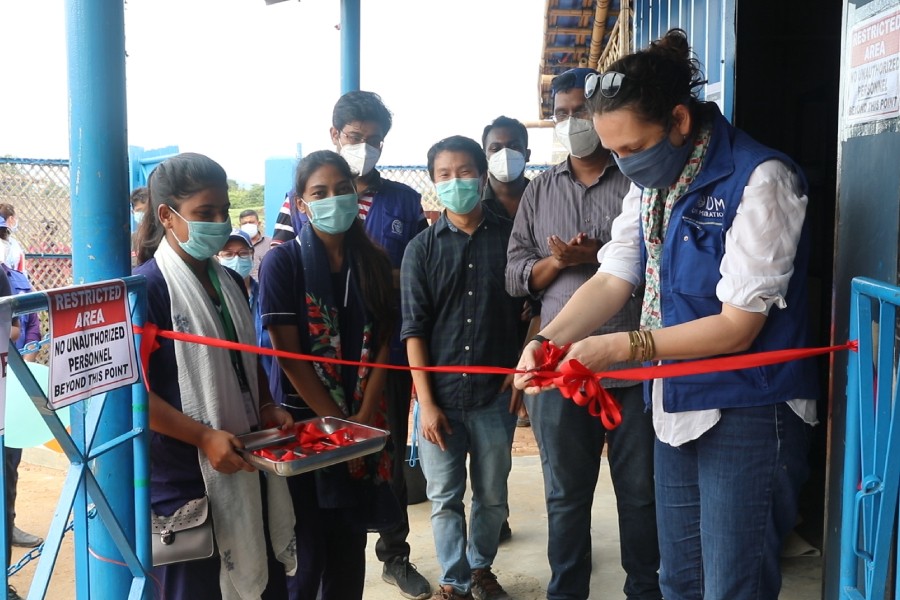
<point>308,439</point>
<point>574,380</point>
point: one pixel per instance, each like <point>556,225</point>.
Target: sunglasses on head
<point>608,83</point>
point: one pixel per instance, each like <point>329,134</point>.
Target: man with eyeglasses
<point>392,214</point>
<point>564,217</point>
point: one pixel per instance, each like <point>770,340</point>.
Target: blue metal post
<point>98,150</point>
<point>350,28</point>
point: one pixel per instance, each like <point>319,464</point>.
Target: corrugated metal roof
<point>569,28</point>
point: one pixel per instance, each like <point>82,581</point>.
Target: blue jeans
<point>725,502</point>
<point>485,434</point>
<point>570,442</point>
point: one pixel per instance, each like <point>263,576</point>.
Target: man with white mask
<point>505,143</point>
<point>565,216</point>
<point>392,214</point>
<point>260,243</point>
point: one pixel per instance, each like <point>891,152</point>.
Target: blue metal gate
<point>81,488</point>
<point>710,25</point>
<point>872,451</point>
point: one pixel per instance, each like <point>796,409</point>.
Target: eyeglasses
<point>609,82</point>
<point>356,138</point>
<point>561,116</point>
<point>240,254</point>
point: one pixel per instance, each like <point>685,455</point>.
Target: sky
<point>241,81</point>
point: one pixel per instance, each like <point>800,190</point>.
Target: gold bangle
<point>649,346</point>
<point>633,344</point>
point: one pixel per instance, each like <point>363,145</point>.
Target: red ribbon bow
<point>576,382</point>
<point>309,439</point>
<point>579,384</point>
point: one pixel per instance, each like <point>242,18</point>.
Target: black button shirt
<point>453,296</point>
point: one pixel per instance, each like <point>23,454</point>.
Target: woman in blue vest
<point>714,231</point>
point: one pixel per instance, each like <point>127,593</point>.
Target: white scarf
<point>210,394</point>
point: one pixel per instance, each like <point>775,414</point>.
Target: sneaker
<point>523,422</point>
<point>446,592</point>
<point>486,587</point>
<point>402,573</point>
<point>11,594</point>
<point>24,539</point>
<point>505,532</point>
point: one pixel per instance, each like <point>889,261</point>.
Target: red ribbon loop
<point>583,387</point>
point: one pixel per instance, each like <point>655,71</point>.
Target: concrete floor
<point>521,564</point>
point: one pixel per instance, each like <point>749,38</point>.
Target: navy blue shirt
<point>282,301</point>
<point>454,298</point>
<point>393,216</point>
<point>175,475</point>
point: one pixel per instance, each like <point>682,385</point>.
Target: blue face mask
<point>138,216</point>
<point>242,264</point>
<point>205,239</point>
<point>333,215</point>
<point>459,195</point>
<point>656,167</point>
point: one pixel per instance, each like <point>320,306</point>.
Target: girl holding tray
<point>202,397</point>
<point>329,293</point>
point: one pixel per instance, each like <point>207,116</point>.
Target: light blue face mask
<point>460,196</point>
<point>656,167</point>
<point>333,215</point>
<point>242,264</point>
<point>205,239</point>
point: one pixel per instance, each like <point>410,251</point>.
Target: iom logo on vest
<point>708,208</point>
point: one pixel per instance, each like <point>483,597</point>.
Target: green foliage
<point>246,197</point>
<point>243,198</point>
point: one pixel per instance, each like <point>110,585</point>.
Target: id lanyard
<point>228,324</point>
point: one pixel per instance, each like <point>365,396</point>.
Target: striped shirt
<point>556,203</point>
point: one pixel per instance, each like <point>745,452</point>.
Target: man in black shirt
<point>456,312</point>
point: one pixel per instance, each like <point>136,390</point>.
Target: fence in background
<point>39,191</point>
<point>417,178</point>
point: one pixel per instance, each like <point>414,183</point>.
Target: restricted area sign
<point>92,348</point>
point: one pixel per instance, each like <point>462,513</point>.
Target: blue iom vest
<point>692,252</point>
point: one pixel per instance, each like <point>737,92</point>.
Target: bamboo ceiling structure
<point>581,33</point>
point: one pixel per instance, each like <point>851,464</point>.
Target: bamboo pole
<point>600,16</point>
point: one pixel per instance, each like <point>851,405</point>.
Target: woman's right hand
<point>527,362</point>
<point>220,447</point>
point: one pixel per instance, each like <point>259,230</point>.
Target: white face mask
<point>361,157</point>
<point>577,136</point>
<point>251,229</point>
<point>506,165</point>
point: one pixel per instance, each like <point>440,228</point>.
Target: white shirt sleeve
<point>761,244</point>
<point>621,255</point>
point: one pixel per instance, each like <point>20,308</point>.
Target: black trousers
<point>12,458</point>
<point>392,542</point>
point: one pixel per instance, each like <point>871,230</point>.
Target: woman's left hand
<point>597,352</point>
<point>274,416</point>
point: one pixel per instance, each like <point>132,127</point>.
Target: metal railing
<point>82,494</point>
<point>872,446</point>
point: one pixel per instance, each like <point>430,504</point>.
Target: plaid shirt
<point>452,287</point>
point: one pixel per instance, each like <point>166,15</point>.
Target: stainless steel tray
<point>366,440</point>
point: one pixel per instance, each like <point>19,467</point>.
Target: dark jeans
<point>392,542</point>
<point>570,442</point>
<point>331,553</point>
<point>726,502</point>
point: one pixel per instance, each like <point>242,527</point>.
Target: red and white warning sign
<point>92,345</point>
<point>873,86</point>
